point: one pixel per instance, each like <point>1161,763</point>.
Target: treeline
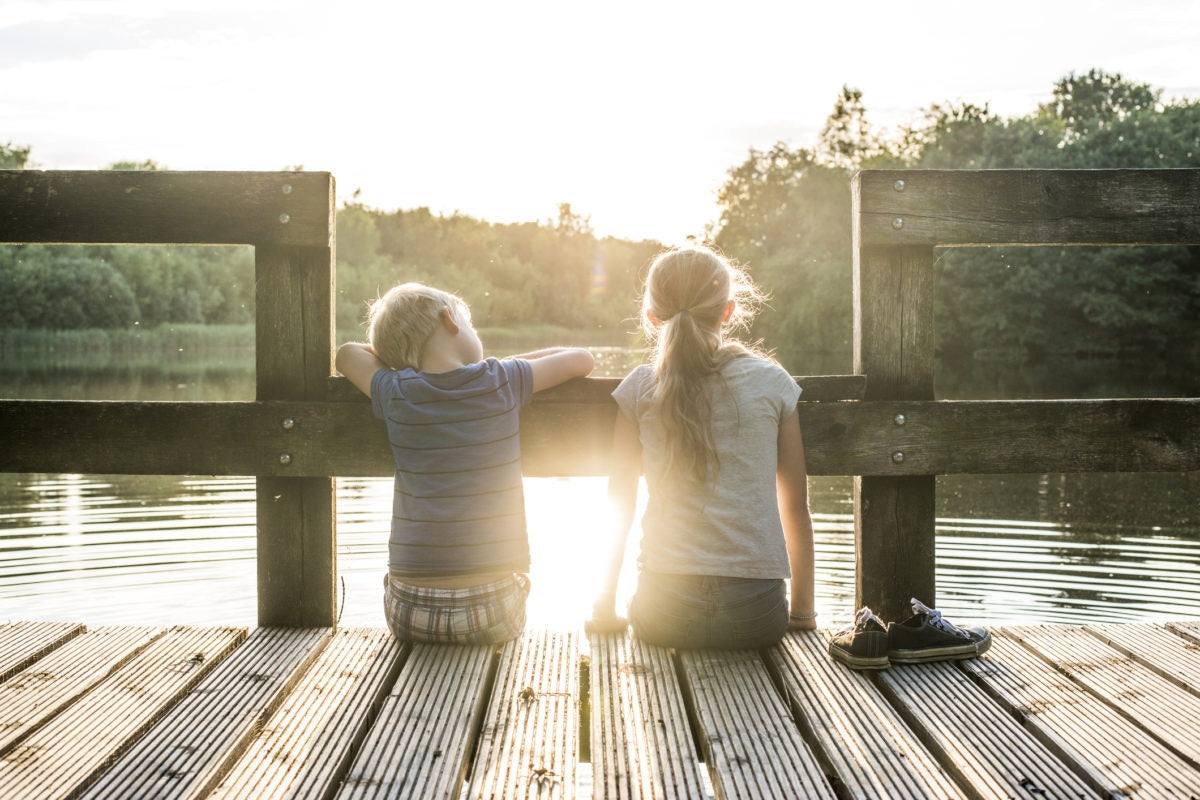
<point>784,212</point>
<point>554,272</point>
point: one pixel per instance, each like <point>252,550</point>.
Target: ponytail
<point>685,307</point>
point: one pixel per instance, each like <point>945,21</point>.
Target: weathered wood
<point>1003,436</point>
<point>598,391</point>
<point>854,730</point>
<point>420,743</point>
<point>751,745</point>
<point>37,693</point>
<point>641,743</point>
<point>305,748</point>
<point>893,346</point>
<point>1159,705</point>
<point>1112,753</point>
<point>1160,649</point>
<point>67,754</point>
<point>976,741</point>
<point>1027,207</point>
<point>166,207</point>
<point>22,643</point>
<point>344,439</point>
<point>192,746</point>
<point>297,555</point>
<point>528,747</point>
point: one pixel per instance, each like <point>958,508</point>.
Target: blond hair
<point>687,292</point>
<point>401,322</point>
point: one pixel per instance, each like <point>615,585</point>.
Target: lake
<point>170,549</point>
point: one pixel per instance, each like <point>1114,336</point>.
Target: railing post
<point>893,347</point>
<point>297,556</point>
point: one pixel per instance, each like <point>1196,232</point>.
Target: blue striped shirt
<point>459,505</point>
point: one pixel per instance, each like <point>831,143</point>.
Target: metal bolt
<point>285,219</point>
<point>898,457</point>
<point>285,458</point>
<point>898,186</point>
<point>288,423</point>
<point>899,419</point>
<point>287,188</point>
<point>897,223</point>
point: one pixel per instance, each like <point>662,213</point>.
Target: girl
<point>713,425</point>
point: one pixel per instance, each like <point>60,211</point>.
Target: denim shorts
<point>709,611</point>
<point>487,614</point>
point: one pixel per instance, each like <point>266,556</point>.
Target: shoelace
<point>860,621</point>
<point>935,618</point>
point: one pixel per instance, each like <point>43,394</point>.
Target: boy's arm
<point>358,362</point>
<point>557,365</point>
<point>622,496</point>
<point>791,482</point>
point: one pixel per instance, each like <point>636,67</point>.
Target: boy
<point>458,550</point>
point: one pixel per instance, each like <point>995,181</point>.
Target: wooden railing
<point>881,425</point>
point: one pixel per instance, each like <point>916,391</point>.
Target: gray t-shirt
<point>732,528</point>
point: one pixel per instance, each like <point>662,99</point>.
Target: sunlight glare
<point>571,531</point>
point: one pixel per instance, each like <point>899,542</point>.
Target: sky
<point>632,112</point>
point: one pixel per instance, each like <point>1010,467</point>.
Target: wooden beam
<point>1027,207</point>
<point>297,553</point>
<point>598,390</point>
<point>847,438</point>
<point>165,207</point>
<point>893,344</point>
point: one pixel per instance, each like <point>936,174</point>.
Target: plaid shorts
<point>487,614</point>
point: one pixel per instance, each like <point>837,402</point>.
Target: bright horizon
<point>632,113</point>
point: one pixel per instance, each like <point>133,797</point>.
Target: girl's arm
<point>358,362</point>
<point>791,482</point>
<point>557,365</point>
<point>622,496</point>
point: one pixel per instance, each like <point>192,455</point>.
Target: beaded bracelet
<point>802,617</point>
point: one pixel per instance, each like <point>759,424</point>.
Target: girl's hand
<point>802,622</point>
<point>604,618</point>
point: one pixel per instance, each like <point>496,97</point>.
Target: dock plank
<point>1113,754</point>
<point>306,746</point>
<point>1187,628</point>
<point>855,730</point>
<point>751,743</point>
<point>641,743</point>
<point>419,745</point>
<point>1171,655</point>
<point>1159,705</point>
<point>22,643</point>
<point>65,755</point>
<point>37,693</point>
<point>975,739</point>
<point>186,753</point>
<point>529,744</point>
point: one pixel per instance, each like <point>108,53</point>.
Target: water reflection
<point>148,549</point>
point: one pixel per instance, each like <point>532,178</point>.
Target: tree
<point>149,165</point>
<point>39,289</point>
<point>13,156</point>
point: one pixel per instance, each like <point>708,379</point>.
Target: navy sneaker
<point>928,636</point>
<point>865,646</point>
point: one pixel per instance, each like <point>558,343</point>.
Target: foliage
<point>786,212</point>
<point>555,272</point>
<point>41,291</point>
<point>13,156</point>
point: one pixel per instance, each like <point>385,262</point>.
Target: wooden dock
<point>135,712</point>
